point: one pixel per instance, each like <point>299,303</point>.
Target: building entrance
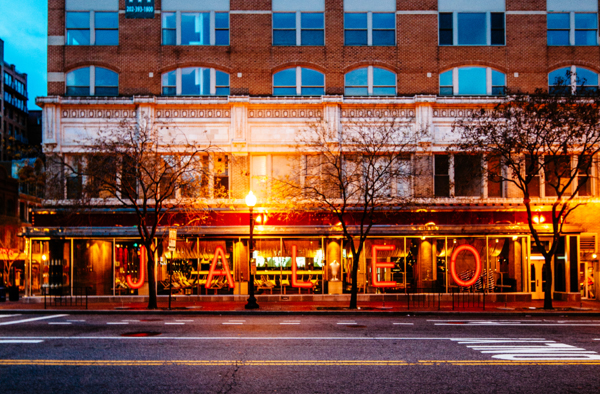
<point>537,279</point>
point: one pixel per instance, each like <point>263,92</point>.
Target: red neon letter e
<point>375,265</point>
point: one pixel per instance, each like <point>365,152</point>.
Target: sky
<point>24,29</point>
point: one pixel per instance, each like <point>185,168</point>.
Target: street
<point>299,354</point>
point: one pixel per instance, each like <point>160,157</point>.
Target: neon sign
<point>478,267</point>
<point>375,265</point>
<point>222,272</point>
<point>295,281</point>
<point>142,278</point>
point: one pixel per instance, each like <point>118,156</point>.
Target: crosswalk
<point>527,349</point>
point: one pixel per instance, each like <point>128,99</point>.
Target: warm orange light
<point>44,257</point>
<point>295,281</point>
<point>478,267</point>
<point>222,272</point>
<point>375,264</point>
<point>142,278</point>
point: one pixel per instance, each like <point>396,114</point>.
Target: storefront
<point>496,262</point>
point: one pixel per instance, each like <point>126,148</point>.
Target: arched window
<point>92,81</point>
<point>195,81</point>
<point>298,81</point>
<point>472,81</point>
<point>573,79</point>
<point>370,81</point>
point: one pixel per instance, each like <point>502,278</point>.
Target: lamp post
<point>251,202</point>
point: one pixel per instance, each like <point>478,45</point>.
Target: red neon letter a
<point>222,272</point>
<point>295,282</point>
<point>375,265</point>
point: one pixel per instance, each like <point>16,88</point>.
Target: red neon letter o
<point>475,253</point>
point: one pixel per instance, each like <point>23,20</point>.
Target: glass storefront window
<point>92,265</point>
<point>206,254</point>
<point>396,256</point>
<point>310,263</point>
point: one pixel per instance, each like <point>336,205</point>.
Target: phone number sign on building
<point>139,9</point>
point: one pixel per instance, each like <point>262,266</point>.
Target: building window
<point>195,81</point>
<point>571,28</point>
<point>298,81</point>
<point>92,28</point>
<point>573,80</point>
<point>585,165</point>
<point>471,28</point>
<point>195,28</point>
<point>92,81</point>
<point>441,176</point>
<point>298,28</point>
<point>369,81</point>
<point>532,172</point>
<point>369,29</point>
<point>472,81</point>
<point>467,175</point>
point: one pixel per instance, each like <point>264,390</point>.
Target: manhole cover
<point>146,320</point>
<point>141,334</point>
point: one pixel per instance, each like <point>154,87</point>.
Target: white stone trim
<point>294,5</point>
<point>369,6</point>
<point>56,77</point>
<point>471,6</point>
<point>195,5</point>
<point>92,5</point>
<point>572,5</point>
<point>56,40</point>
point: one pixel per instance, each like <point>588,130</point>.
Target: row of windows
<point>14,84</point>
<point>14,101</point>
<point>457,175</point>
<point>301,81</point>
<point>308,28</point>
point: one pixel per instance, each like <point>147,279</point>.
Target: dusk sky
<point>24,27</point>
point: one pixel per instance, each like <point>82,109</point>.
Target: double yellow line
<point>151,363</point>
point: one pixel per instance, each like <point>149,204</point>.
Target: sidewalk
<point>317,308</point>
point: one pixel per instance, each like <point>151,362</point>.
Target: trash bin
<point>13,293</point>
<point>2,293</point>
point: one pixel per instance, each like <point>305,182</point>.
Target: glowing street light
<point>251,202</point>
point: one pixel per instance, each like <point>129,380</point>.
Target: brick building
<point>13,108</point>
<point>251,73</point>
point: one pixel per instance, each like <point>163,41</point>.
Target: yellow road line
<point>120,363</point>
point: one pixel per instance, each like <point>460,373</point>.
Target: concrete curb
<point>561,313</point>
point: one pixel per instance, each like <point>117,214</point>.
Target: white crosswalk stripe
<point>6,323</point>
<point>528,350</point>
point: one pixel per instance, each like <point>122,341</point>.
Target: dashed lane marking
<point>21,341</point>
<point>64,323</point>
<point>6,323</point>
<point>403,324</point>
<point>290,323</point>
<point>117,323</point>
<point>233,323</point>
<point>346,323</point>
<point>5,316</point>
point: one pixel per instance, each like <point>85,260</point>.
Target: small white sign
<point>172,240</point>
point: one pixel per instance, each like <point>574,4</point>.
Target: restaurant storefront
<point>413,260</point>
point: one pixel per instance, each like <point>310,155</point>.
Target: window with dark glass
<point>78,82</point>
<point>441,177</point>
<point>169,28</point>
<point>298,81</point>
<point>78,28</point>
<point>584,175</point>
<point>472,28</point>
<point>572,28</point>
<point>446,30</point>
<point>106,28</point>
<point>494,176</point>
<point>356,29</point>
<point>446,83</point>
<point>370,81</point>
<point>369,29</point>
<point>467,175</point>
<point>384,29</point>
<point>195,28</point>
<point>312,29</point>
<point>169,83</point>
<point>221,28</point>
<point>573,80</point>
<point>106,82</point>
<point>92,81</point>
<point>284,28</point>
<point>195,81</point>
<point>557,173</point>
<point>532,172</point>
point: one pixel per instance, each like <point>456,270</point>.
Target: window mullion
<point>92,80</point>
<point>178,28</point>
<point>298,29</point>
<point>370,81</point>
<point>213,82</point>
<point>573,79</point>
<point>178,82</point>
<point>455,28</point>
<point>298,81</point>
<point>454,81</point>
<point>92,27</point>
<point>488,28</point>
<point>488,81</point>
<point>572,28</point>
<point>212,38</point>
<point>369,28</point>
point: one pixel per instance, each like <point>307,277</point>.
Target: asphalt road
<point>298,354</point>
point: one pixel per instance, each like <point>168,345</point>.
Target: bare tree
<point>151,169</point>
<point>541,142</point>
<point>359,172</point>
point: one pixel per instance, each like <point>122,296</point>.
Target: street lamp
<point>251,202</point>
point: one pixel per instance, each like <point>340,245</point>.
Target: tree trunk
<point>152,302</point>
<point>548,286</point>
<point>354,288</point>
